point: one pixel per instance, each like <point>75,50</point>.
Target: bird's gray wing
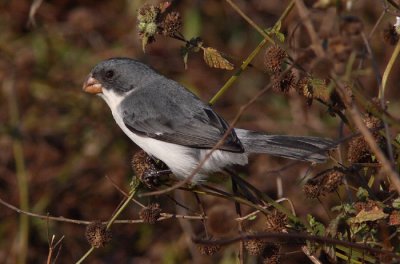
<point>166,111</point>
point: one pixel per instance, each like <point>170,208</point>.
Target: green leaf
<point>280,36</point>
<point>317,228</point>
<point>396,203</point>
<point>362,194</point>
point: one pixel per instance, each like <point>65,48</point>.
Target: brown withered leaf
<point>214,59</point>
<point>368,215</point>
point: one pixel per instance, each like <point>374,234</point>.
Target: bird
<point>171,124</point>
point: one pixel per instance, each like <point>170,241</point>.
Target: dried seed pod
<point>304,88</point>
<point>254,246</point>
<point>358,151</point>
<point>150,172</point>
<point>150,214</point>
<point>332,180</point>
<point>276,222</point>
<point>394,218</point>
<point>285,83</point>
<point>97,234</point>
<point>273,59</point>
<point>312,189</point>
<point>208,249</point>
<point>171,24</point>
<point>141,162</point>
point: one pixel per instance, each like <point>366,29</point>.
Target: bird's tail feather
<point>312,149</point>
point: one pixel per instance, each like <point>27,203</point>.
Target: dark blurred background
<point>69,140</point>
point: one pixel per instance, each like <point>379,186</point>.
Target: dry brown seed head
<point>150,214</point>
<point>254,246</point>
<point>273,58</point>
<point>171,24</point>
<point>97,234</point>
<point>372,122</point>
<point>283,83</point>
<point>208,249</point>
<point>332,180</point>
<point>394,218</point>
<point>276,221</point>
<point>358,151</point>
<point>141,163</point>
<point>312,189</point>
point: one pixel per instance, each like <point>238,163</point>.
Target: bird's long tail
<point>312,149</point>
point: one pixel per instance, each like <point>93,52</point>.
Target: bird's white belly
<point>180,159</point>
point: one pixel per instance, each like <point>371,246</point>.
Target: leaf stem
<point>389,67</point>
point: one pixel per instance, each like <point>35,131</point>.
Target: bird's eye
<point>109,74</point>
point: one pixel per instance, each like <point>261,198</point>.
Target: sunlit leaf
<point>214,59</point>
<point>372,215</point>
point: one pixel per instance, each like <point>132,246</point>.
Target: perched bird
<point>173,125</point>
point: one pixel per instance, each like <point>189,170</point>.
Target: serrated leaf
<point>372,215</point>
<point>317,228</point>
<point>280,36</point>
<point>214,59</point>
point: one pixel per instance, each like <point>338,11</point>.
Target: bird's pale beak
<point>91,85</point>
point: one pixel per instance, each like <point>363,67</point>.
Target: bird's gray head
<point>118,74</point>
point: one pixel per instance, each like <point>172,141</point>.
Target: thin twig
<point>305,18</point>
<point>294,238</point>
<point>123,192</point>
<point>164,216</point>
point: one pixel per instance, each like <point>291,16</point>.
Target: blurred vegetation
<point>57,144</point>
